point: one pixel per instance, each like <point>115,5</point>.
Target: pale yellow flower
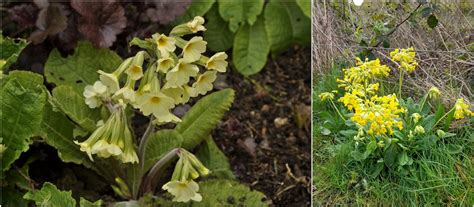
<point>93,94</point>
<point>434,93</point>
<point>135,72</point>
<point>326,96</point>
<point>416,117</point>
<point>196,24</point>
<point>127,94</point>
<point>164,64</point>
<point>217,62</point>
<point>419,129</point>
<point>110,80</point>
<point>181,73</point>
<point>204,82</point>
<point>168,118</point>
<point>193,49</point>
<point>129,155</point>
<point>165,44</point>
<point>461,109</point>
<point>104,149</point>
<point>183,191</point>
<point>175,93</point>
<point>155,103</point>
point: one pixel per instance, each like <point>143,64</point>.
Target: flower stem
<point>400,81</point>
<point>439,120</point>
<point>151,178</point>
<point>143,140</point>
<point>338,112</point>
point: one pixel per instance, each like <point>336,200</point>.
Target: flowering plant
<point>95,112</point>
<point>389,129</point>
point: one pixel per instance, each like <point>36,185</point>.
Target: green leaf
<point>215,160</point>
<point>432,21</point>
<point>305,6</point>
<point>403,158</point>
<point>285,23</point>
<point>239,12</point>
<point>251,48</point>
<point>144,44</point>
<point>22,104</point>
<point>58,131</point>
<point>223,193</point>
<point>73,105</point>
<point>85,203</point>
<point>218,36</point>
<point>80,69</point>
<point>11,48</point>
<point>159,144</point>
<point>198,122</point>
<point>50,196</point>
<point>197,8</point>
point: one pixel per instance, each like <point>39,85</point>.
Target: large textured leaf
<point>50,196</point>
<point>159,144</point>
<point>73,105</point>
<point>197,8</point>
<point>251,48</point>
<point>223,193</point>
<point>80,69</point>
<point>240,12</point>
<point>22,104</point>
<point>203,116</point>
<point>10,49</point>
<point>285,23</point>
<point>215,160</point>
<point>85,203</point>
<point>58,132</point>
<point>218,36</point>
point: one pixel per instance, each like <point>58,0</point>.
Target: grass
<point>443,176</point>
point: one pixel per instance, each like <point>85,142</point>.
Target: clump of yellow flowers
<point>390,122</point>
<point>378,114</point>
<point>156,81</point>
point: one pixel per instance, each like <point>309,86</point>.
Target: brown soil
<point>266,133</point>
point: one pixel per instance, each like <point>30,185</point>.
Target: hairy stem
<point>151,179</point>
<point>338,112</point>
<point>143,140</point>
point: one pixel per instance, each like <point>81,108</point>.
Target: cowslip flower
<point>182,185</point>
<point>434,93</point>
<point>416,117</point>
<point>461,109</point>
<point>326,96</point>
<point>183,191</point>
<point>164,64</point>
<point>196,24</point>
<point>181,73</point>
<point>204,82</point>
<point>406,58</point>
<point>155,103</point>
<point>193,49</point>
<point>110,80</point>
<point>164,44</point>
<point>217,62</point>
<point>94,94</point>
<point>126,94</point>
<point>419,129</point>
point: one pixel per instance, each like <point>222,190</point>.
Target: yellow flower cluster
<point>377,114</point>
<point>406,58</point>
<point>461,109</point>
<point>165,80</point>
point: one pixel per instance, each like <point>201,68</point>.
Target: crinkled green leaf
<point>50,196</point>
<point>22,104</point>
<point>197,8</point>
<point>251,48</point>
<point>198,122</point>
<point>223,193</point>
<point>58,131</point>
<point>215,160</point>
<point>305,6</point>
<point>10,49</point>
<point>80,69</point>
<point>240,12</point>
<point>218,36</point>
<point>73,105</point>
<point>286,24</point>
<point>85,203</point>
<point>159,144</point>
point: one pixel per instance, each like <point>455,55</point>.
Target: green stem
<point>423,103</point>
<point>442,117</point>
<point>400,82</point>
<point>338,112</point>
<point>151,178</point>
<point>143,140</point>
